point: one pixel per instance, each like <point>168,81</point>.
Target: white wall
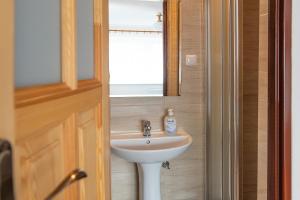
<point>296,100</point>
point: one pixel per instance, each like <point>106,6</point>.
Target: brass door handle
<point>74,176</point>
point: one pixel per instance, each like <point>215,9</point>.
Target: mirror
<point>144,48</point>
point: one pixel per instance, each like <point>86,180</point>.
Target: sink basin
<point>134,147</point>
<point>149,154</point>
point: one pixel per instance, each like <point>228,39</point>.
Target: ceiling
<point>134,14</point>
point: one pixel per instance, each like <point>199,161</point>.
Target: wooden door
<point>58,127</point>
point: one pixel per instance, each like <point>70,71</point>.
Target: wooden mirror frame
<point>171,9</point>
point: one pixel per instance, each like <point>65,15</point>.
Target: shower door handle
<point>74,176</point>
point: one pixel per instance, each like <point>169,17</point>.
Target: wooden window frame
<point>279,138</point>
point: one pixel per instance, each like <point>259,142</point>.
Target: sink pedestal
<point>149,154</point>
<point>149,181</point>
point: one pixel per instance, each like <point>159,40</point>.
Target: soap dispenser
<point>170,123</point>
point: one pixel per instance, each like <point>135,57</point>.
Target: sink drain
<point>148,142</point>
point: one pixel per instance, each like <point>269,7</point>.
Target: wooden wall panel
<point>250,97</point>
<point>255,99</point>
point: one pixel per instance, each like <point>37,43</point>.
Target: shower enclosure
<point>224,99</point>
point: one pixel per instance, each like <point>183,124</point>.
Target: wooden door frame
<point>279,138</point>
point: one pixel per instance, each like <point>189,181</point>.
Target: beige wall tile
<point>262,158</point>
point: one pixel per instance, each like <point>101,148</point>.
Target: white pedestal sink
<point>149,153</point>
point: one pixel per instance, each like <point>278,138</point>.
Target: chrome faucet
<point>147,128</point>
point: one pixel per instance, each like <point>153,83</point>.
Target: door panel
<point>51,142</point>
<point>41,162</point>
<point>87,144</point>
